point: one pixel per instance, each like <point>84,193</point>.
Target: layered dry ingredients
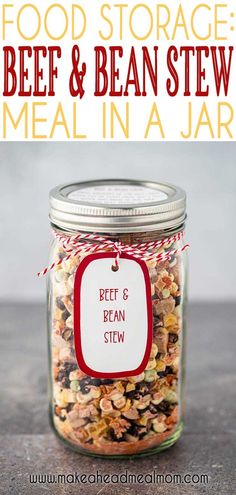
<point>118,416</point>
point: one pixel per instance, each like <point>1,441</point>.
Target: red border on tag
<point>77,317</point>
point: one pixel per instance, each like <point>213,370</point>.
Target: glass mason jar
<point>133,414</point>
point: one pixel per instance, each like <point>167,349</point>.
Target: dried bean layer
<point>118,416</point>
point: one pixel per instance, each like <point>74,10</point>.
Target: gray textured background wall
<point>207,171</point>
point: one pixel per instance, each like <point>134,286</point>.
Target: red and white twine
<point>92,243</point>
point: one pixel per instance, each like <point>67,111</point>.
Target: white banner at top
<point>105,71</point>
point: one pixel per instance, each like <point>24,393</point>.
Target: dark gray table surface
<point>208,444</point>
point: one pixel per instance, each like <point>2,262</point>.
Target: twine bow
<point>91,243</point>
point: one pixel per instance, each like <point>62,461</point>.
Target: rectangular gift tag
<point>112,316</point>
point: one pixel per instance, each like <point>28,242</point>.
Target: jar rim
<point>114,206</point>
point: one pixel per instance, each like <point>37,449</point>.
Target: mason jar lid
<point>117,206</point>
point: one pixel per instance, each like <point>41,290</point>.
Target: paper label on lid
<point>118,195</point>
<point>112,316</point>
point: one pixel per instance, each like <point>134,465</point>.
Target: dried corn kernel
<point>170,320</point>
<point>130,387</point>
<point>160,365</point>
<point>154,351</point>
